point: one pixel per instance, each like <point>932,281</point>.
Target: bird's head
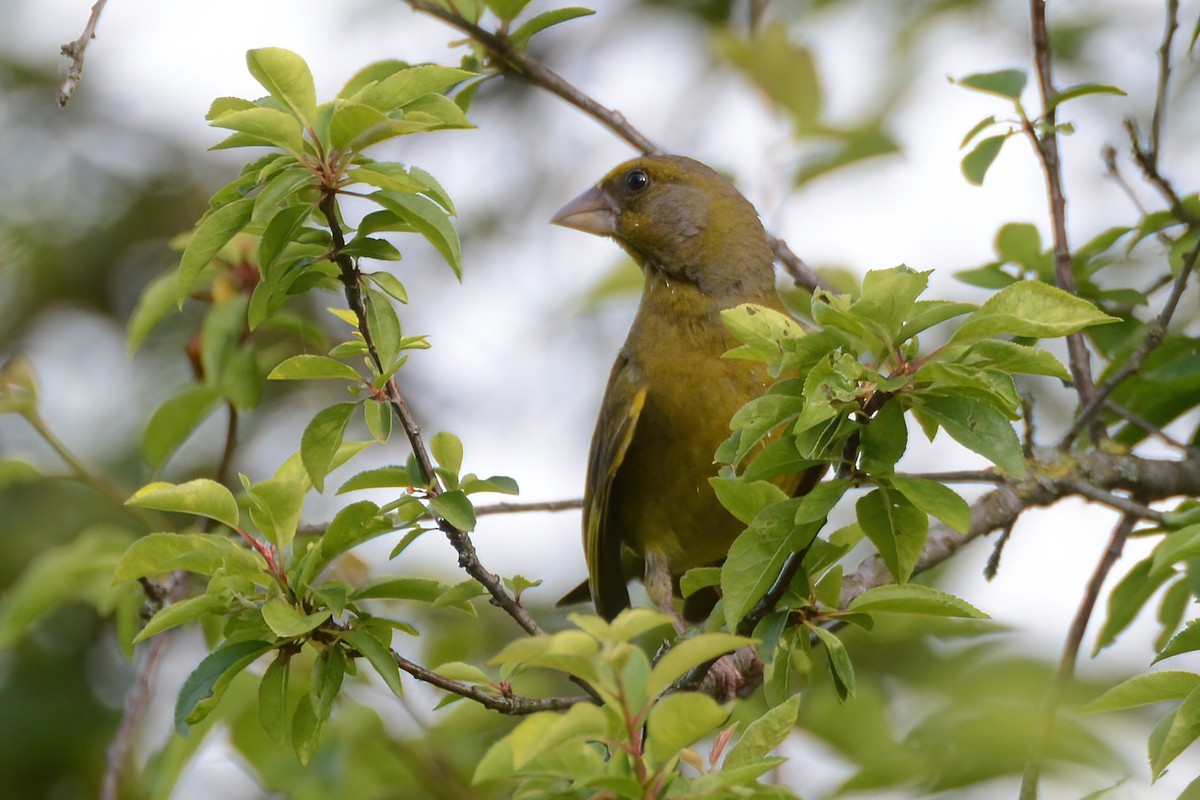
<point>680,218</point>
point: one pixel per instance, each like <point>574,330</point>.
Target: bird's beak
<point>591,212</point>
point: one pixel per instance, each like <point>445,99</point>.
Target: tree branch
<point>504,703</point>
<point>1046,146</point>
<point>1066,665</point>
<point>514,62</point>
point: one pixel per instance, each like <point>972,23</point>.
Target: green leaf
<point>784,70</point>
<point>282,230</point>
<point>927,313</point>
<point>212,233</point>
<point>1008,83</point>
<point>288,622</point>
<point>883,440</point>
<point>1032,309</point>
<point>1127,599</point>
<point>679,720</point>
<point>1186,641</point>
<point>976,163</point>
<point>311,367</point>
<point>839,661</point>
<point>978,427</point>
<point>744,499</point>
<point>1184,729</point>
<point>403,87</point>
<point>175,420</point>
<point>936,500</point>
<point>157,300</point>
<point>507,10</point>
<point>272,696</point>
<point>287,77</point>
<point>385,327</point>
<point>978,128</point>
<point>275,506</point>
<point>379,657</point>
<point>455,508</point>
<point>381,478</point>
<point>1079,90</point>
<point>201,553</point>
<point>262,127</point>
<point>425,590</point>
<point>203,497</point>
<point>761,331</point>
<point>913,598</point>
<point>896,527</point>
<point>764,734</point>
<point>321,440</point>
<point>211,603</point>
<point>690,653</point>
<point>546,19</point>
<point>208,681</point>
<point>756,557</point>
<point>447,450</point>
<point>1012,357</point>
<point>1019,243</point>
<point>80,569</point>
<point>390,285</point>
<point>1179,545</point>
<point>500,484</point>
<point>427,219</point>
<point>352,525</point>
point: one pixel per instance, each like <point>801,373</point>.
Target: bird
<point>670,395</point>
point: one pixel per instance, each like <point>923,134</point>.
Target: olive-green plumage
<point>671,394</point>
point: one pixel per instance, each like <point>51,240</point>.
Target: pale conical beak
<point>591,212</point>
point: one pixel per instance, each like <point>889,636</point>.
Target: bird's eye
<point>636,180</point>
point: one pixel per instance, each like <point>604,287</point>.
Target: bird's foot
<point>737,674</point>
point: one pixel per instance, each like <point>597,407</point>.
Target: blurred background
<point>521,349</point>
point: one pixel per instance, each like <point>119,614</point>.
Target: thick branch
<point>1053,476</point>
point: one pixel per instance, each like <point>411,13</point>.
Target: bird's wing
<point>602,542</point>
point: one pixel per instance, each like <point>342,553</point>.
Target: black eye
<point>636,180</point>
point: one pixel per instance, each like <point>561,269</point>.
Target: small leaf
<point>379,657</point>
<point>390,285</point>
<point>203,497</point>
<point>212,233</point>
<point>764,734</point>
<point>976,163</point>
<point>977,129</point>
<point>913,598</point>
<point>936,500</point>
<point>287,77</point>
<point>896,527</point>
<point>1032,309</point>
<point>678,720</point>
<point>201,553</point>
<point>174,421</point>
<point>272,697</point>
<point>288,622</point>
<point>210,678</point>
<point>447,450</point>
<point>690,653</point>
<point>428,219</point>
<point>312,367</point>
<point>321,440</point>
<point>1079,90</point>
<point>546,19</point>
<point>455,508</point>
<point>839,661</point>
<point>1183,730</point>
<point>1008,83</point>
<point>978,427</point>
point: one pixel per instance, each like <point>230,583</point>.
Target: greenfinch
<point>671,395</point>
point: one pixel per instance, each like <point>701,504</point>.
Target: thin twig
<point>992,568</point>
<point>1066,665</point>
<point>231,434</point>
<point>523,508</point>
<point>1150,428</point>
<point>1046,146</point>
<point>960,476</point>
<point>1131,508</point>
<point>504,703</point>
<point>511,60</point>
<point>468,558</point>
<point>75,50</point>
<point>1156,332</point>
<point>1164,79</point>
